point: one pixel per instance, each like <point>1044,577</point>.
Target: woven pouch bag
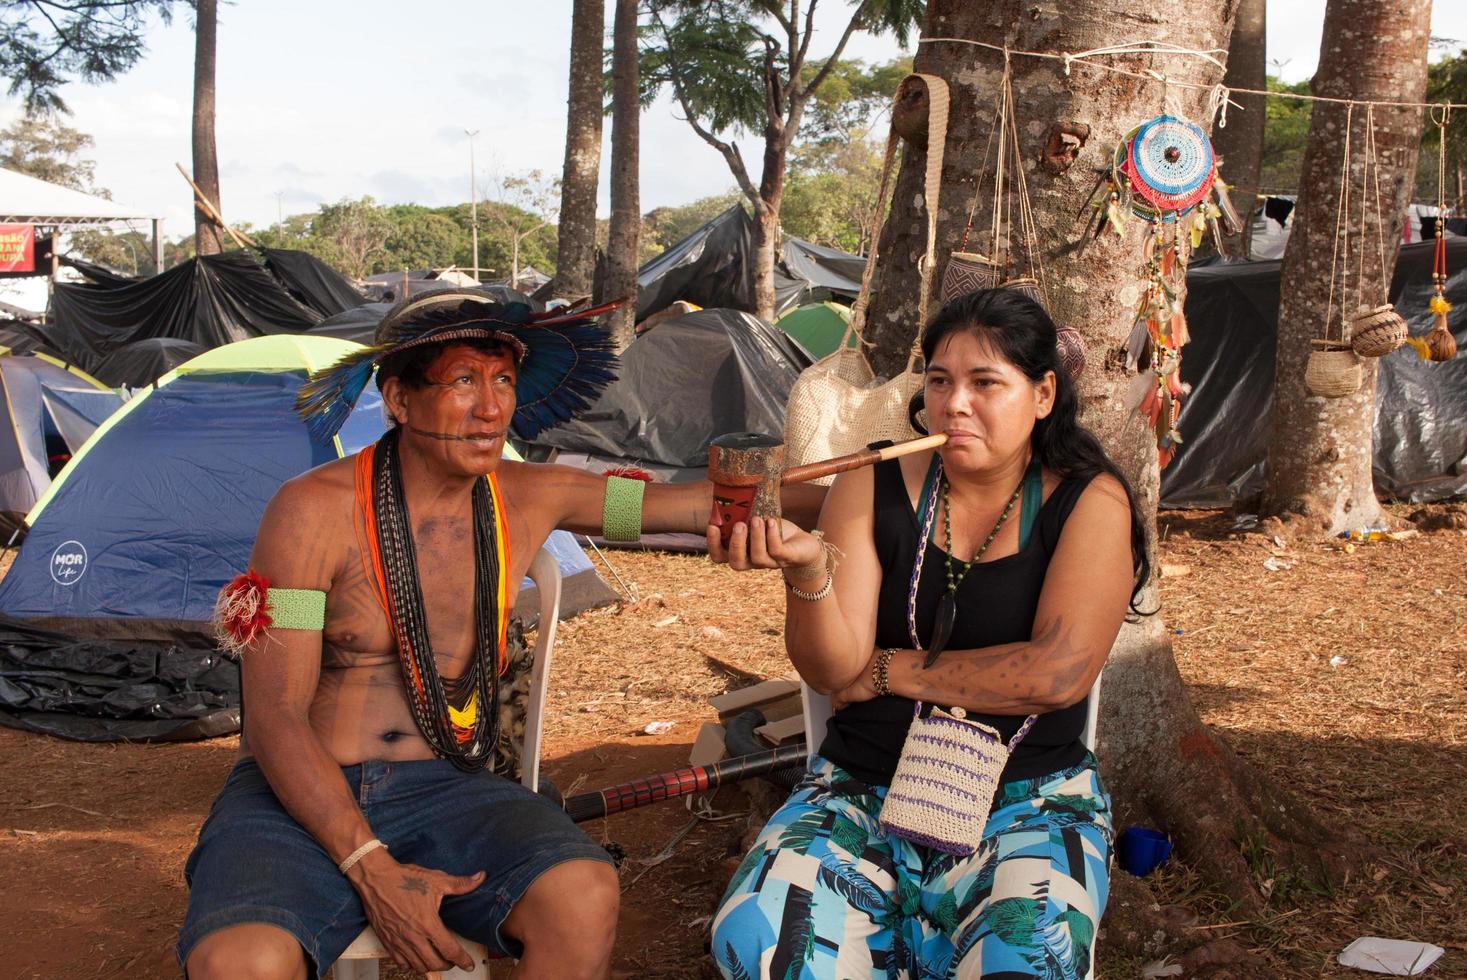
<point>837,405</point>
<point>945,780</point>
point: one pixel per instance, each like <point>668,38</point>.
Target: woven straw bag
<point>838,405</point>
<point>945,781</point>
<point>969,271</point>
<point>1377,332</point>
<point>1333,369</point>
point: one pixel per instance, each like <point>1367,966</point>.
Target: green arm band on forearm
<point>296,609</point>
<point>621,514</point>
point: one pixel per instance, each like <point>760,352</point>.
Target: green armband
<point>297,609</point>
<point>621,514</point>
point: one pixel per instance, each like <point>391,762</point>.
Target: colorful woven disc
<point>1170,164</point>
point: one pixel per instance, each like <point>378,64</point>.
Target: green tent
<point>818,327</point>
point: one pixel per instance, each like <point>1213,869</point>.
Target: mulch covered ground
<point>1342,675</point>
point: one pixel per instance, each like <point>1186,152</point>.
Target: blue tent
<point>159,509</point>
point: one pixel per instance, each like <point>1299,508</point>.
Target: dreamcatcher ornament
<point>1164,173</point>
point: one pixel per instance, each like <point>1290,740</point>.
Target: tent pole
<point>630,593</point>
<point>157,246</point>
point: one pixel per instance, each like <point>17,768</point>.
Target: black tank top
<point>996,604</point>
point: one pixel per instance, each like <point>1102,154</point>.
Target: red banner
<point>17,248</point>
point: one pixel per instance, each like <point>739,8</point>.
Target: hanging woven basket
<point>1334,369</point>
<point>969,271</point>
<point>1029,286</point>
<point>1377,332</point>
<point>1440,342</point>
<point>1071,351</point>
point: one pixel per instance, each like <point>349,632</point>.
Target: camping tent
<point>818,327</point>
<point>714,267</point>
<point>157,511</point>
<point>694,377</point>
<point>51,411</point>
<point>1232,313</point>
<point>211,300</point>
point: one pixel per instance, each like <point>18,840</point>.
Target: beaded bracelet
<point>879,668</point>
<point>825,589</point>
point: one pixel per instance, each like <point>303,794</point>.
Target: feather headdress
<point>563,360</point>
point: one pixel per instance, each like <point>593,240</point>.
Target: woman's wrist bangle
<point>358,854</point>
<point>879,672</point>
<point>824,590</point>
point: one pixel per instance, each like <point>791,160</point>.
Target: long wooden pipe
<point>856,460</point>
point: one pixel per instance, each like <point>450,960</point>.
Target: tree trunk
<point>575,265</point>
<point>766,219</point>
<point>1239,144</point>
<point>1162,766</point>
<point>208,236</point>
<point>626,217</point>
<point>1319,457</point>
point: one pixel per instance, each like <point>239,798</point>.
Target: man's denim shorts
<point>254,864</point>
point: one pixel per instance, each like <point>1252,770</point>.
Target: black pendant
<point>942,628</point>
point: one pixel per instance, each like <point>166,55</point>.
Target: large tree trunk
<point>766,218</point>
<point>626,217</point>
<point>1240,143</point>
<point>1162,766</point>
<point>575,264</point>
<point>1319,458</point>
<point>208,238</point>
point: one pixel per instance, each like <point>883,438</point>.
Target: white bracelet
<point>358,854</point>
<point>825,589</point>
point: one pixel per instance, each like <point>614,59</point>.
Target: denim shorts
<point>254,864</point>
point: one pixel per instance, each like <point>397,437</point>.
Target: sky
<point>321,101</point>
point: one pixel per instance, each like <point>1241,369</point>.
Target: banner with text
<point>17,248</point>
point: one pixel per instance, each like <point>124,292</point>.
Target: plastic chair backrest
<point>545,573</point>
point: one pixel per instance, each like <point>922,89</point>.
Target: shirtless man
<point>338,768</point>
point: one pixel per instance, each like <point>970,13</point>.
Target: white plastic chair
<point>360,960</point>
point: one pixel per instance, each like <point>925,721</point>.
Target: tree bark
<point>626,218</point>
<point>575,266</point>
<point>208,236</point>
<point>1239,144</point>
<point>1319,456</point>
<point>1162,766</point>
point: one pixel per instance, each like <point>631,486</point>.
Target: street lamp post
<point>473,202</point>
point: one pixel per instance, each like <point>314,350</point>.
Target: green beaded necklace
<point>947,606</point>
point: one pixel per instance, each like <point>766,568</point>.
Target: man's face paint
<point>463,412</point>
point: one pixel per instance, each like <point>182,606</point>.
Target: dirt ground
<point>1343,675</point>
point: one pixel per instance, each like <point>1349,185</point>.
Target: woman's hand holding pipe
<point>765,543</point>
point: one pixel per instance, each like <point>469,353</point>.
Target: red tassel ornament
<point>241,613</point>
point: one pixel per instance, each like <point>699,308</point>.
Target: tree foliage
<point>46,43</point>
<point>831,197</point>
<point>47,149</point>
<point>1446,81</point>
<point>1285,133</point>
<point>853,97</point>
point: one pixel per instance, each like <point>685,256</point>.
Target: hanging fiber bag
<point>838,405</point>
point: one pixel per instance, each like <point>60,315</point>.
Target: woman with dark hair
<point>990,576</point>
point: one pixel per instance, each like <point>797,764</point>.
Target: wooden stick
<point>854,461</point>
<point>208,208</point>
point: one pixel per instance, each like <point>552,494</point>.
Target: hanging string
<point>1340,212</point>
<point>1158,47</point>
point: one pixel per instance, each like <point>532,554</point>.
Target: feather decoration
<point>328,396</point>
<point>568,365</point>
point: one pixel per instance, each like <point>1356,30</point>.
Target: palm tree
<point>207,237</point>
<point>575,265</point>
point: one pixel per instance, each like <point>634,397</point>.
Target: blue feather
<point>327,398</point>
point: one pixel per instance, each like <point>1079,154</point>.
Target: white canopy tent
<point>24,200</point>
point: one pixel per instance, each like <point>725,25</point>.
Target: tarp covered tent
<point>713,267</point>
<point>51,412</point>
<point>818,327</point>
<point>694,377</point>
<point>210,301</point>
<point>1421,408</point>
<point>128,548</point>
<point>144,361</point>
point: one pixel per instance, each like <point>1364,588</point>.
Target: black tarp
<point>714,268</point>
<point>1421,408</point>
<point>144,361</point>
<point>830,272</point>
<point>311,281</point>
<point>21,337</point>
<point>103,690</point>
<point>210,301</point>
<point>358,324</point>
<point>694,377</point>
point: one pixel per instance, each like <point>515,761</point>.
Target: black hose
<point>739,739</point>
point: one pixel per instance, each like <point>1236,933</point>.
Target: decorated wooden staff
<point>681,782</point>
<point>747,469</point>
